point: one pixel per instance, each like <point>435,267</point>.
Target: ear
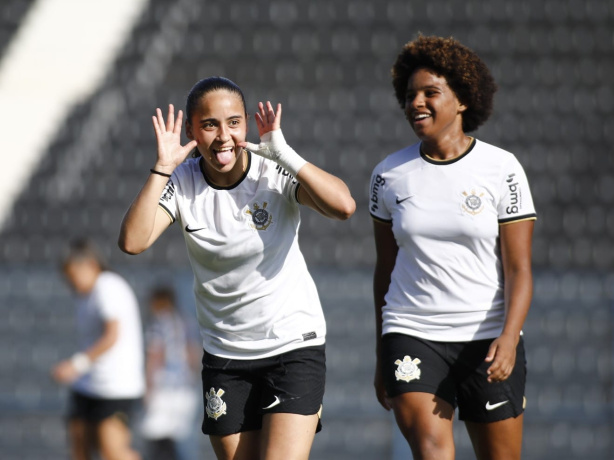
<point>188,130</point>
<point>461,107</point>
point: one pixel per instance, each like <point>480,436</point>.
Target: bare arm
<point>386,254</point>
<point>65,372</point>
<point>145,221</point>
<point>325,193</point>
<point>516,257</point>
<point>319,190</point>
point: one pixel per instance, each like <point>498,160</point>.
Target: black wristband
<point>153,171</point>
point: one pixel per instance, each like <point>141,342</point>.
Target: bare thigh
<point>80,439</point>
<point>497,440</point>
<point>426,422</point>
<point>239,446</point>
<point>287,436</point>
<point>114,440</point>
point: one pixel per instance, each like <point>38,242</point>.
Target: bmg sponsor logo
<point>376,183</point>
<point>515,195</point>
<point>168,192</point>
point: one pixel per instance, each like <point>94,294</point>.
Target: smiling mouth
<point>421,116</point>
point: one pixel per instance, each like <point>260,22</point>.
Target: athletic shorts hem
<point>492,419</point>
<point>95,410</point>
<point>416,388</point>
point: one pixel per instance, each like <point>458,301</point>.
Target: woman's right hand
<point>380,391</point>
<point>170,151</point>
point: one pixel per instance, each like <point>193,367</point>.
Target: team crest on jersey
<point>216,407</point>
<point>261,218</point>
<point>472,202</point>
<point>407,369</point>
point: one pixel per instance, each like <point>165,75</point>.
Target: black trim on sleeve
<point>379,219</point>
<point>170,214</point>
<point>298,185</point>
<point>518,218</point>
<point>201,164</point>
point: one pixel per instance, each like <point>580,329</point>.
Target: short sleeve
<point>377,206</point>
<point>289,185</point>
<point>168,200</point>
<point>112,296</point>
<point>516,202</point>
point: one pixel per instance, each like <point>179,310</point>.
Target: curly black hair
<point>467,75</point>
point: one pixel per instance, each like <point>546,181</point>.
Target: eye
<point>234,122</point>
<point>208,125</point>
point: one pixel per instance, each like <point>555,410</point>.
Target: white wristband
<point>81,362</point>
<point>274,147</point>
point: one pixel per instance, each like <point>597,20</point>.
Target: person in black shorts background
<point>453,222</point>
<point>106,376</point>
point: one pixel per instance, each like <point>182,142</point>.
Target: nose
<point>414,101</point>
<point>223,134</point>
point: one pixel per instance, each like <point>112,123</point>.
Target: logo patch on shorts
<point>216,407</point>
<point>407,369</point>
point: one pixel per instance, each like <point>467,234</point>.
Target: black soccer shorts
<point>455,372</point>
<point>93,409</point>
<point>239,392</point>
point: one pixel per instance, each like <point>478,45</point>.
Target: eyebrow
<point>207,120</point>
<point>427,87</point>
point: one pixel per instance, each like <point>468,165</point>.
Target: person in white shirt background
<point>453,222</point>
<point>106,375</point>
<point>173,355</point>
<point>260,317</point>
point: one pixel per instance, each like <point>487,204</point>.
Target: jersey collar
<point>448,162</point>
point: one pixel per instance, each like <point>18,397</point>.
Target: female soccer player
<point>106,376</point>
<point>260,317</point>
<point>453,222</point>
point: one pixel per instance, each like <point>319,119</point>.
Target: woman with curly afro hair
<point>453,222</point>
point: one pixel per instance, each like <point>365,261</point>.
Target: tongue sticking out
<point>225,156</point>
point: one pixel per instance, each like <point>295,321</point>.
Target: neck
<point>447,148</point>
<point>229,178</point>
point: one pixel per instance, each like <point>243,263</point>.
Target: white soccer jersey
<point>447,283</point>
<point>254,295</point>
<point>118,373</point>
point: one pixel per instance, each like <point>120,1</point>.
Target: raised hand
<point>170,151</point>
<point>266,119</point>
<point>272,145</point>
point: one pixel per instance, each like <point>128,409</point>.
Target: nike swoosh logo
<point>273,404</point>
<point>192,230</point>
<point>494,406</point>
<point>403,199</point>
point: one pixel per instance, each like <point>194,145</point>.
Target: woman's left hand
<point>267,119</point>
<point>502,354</point>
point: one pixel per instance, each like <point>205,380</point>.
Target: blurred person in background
<point>106,375</point>
<point>172,358</point>
<point>453,221</point>
<point>260,316</point>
